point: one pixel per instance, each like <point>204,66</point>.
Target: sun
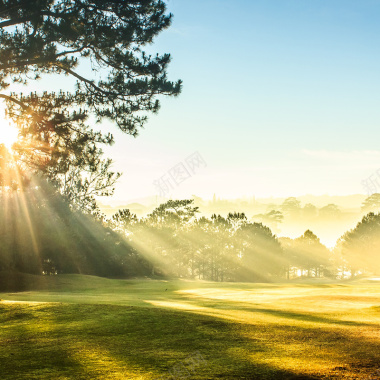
<point>8,133</point>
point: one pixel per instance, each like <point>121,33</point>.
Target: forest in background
<point>329,217</point>
<point>42,233</point>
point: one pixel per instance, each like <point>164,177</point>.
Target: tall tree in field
<point>361,246</point>
<point>311,255</point>
<point>172,222</point>
<point>261,253</point>
<point>98,46</point>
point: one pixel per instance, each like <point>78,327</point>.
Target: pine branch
<point>14,100</point>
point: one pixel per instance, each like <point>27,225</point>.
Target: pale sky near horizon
<point>280,98</point>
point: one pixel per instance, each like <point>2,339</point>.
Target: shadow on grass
<point>308,317</point>
<point>247,307</point>
<point>28,348</point>
<point>79,341</point>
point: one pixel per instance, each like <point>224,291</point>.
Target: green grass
<point>83,327</point>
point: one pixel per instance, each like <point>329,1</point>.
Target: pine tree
<point>54,37</point>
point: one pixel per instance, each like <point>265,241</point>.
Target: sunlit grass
<point>142,329</point>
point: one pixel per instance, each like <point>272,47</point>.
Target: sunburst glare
<point>8,132</point>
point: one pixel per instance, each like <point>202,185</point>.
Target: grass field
<point>83,327</point>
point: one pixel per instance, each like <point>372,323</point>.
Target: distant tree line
<point>231,248</point>
<point>179,244</point>
<point>42,233</point>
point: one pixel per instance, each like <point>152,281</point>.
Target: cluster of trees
<point>291,211</point>
<point>176,243</point>
<point>307,256</point>
<point>231,248</point>
<point>291,207</point>
<point>42,234</point>
<point>359,248</point>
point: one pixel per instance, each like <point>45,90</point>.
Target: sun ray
<point>25,209</point>
<point>8,131</point>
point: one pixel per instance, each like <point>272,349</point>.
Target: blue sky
<point>280,97</point>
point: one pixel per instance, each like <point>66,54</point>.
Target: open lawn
<point>83,327</point>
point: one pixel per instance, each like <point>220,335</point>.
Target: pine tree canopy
<point>97,43</point>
